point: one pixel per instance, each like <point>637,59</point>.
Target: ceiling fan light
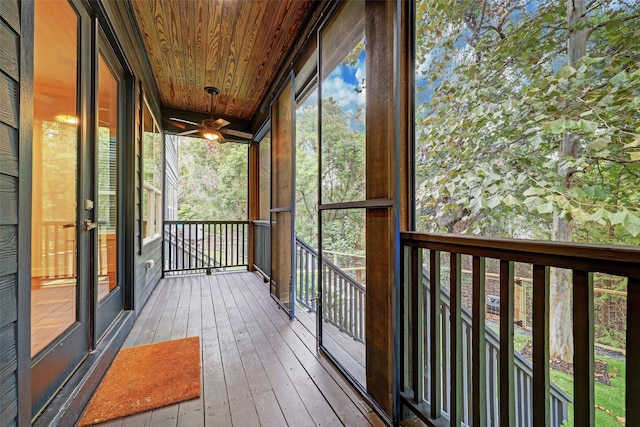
<point>212,135</point>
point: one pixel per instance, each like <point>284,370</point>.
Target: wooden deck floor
<point>258,367</point>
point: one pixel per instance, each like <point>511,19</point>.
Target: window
<point>151,198</point>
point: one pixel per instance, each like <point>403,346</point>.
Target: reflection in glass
<point>55,173</point>
<point>107,182</point>
<point>344,288</point>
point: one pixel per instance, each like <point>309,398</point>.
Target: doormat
<point>146,377</point>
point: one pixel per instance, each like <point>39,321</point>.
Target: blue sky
<point>343,81</point>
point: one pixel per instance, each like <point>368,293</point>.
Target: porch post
<point>386,149</point>
<point>253,201</point>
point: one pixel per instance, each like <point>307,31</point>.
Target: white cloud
<point>344,92</point>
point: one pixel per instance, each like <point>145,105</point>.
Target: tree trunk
<point>561,319</point>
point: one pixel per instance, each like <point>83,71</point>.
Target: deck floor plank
<point>342,400</point>
<point>216,400</point>
<point>243,410</point>
<point>301,403</point>
<point>258,367</point>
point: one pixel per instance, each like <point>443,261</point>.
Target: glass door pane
<point>59,285</point>
<point>107,289</point>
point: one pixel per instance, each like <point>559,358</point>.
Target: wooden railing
<point>205,246</point>
<point>434,383</point>
<point>523,373</point>
<point>343,298</point>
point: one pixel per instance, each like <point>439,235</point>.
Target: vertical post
<point>541,404</point>
<point>632,398</point>
<point>479,346</point>
<point>417,327</point>
<point>506,390</point>
<point>435,333</point>
<point>455,411</point>
<point>583,359</point>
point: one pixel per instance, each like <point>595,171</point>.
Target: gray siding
<point>145,279</point>
<point>9,146</point>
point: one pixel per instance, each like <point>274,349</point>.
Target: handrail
<point>425,399</point>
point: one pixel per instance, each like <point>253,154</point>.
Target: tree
<point>212,180</point>
<point>528,114</point>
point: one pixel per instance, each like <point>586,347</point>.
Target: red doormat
<point>146,377</point>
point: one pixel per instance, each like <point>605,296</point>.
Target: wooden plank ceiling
<point>234,45</point>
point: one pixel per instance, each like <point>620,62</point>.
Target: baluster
<point>583,358</point>
<point>478,343</point>
<point>417,319</point>
<point>507,403</point>
<point>632,397</point>
<point>455,331</point>
<point>435,350</point>
<point>541,404</point>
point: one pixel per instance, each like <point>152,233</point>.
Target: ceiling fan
<point>212,129</point>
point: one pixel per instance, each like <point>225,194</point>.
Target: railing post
<point>583,358</point>
<point>417,331</point>
<point>457,384</point>
<point>479,346</point>
<point>435,334</point>
<point>541,404</point>
<point>506,371</point>
<point>632,398</point>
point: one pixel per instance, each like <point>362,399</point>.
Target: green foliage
<point>343,175</point>
<point>495,99</point>
<point>212,180</point>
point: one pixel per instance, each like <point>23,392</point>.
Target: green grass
<point>610,399</point>
<point>610,402</point>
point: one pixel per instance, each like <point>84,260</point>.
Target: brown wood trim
<point>456,409</point>
<point>435,336</point>
<point>506,372</point>
<point>381,30</point>
<point>620,260</point>
<point>254,199</point>
<point>632,397</point>
<point>541,381</point>
<point>583,356</point>
<point>417,321</point>
<point>366,204</point>
<point>478,345</point>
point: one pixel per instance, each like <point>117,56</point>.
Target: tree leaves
<point>494,109</point>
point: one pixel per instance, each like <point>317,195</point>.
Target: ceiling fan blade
<point>237,133</point>
<point>189,132</point>
<point>176,119</point>
<point>220,123</point>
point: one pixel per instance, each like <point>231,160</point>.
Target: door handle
<point>88,225</point>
